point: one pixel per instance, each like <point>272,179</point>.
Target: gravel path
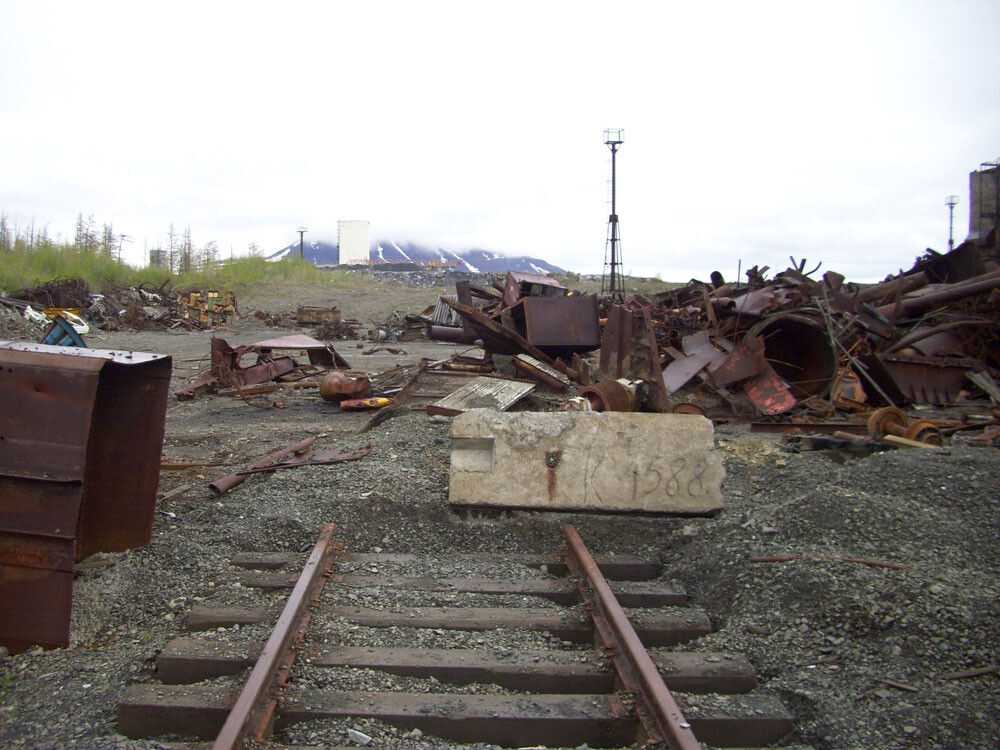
<point>851,649</point>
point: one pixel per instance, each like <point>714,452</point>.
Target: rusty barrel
<point>800,351</point>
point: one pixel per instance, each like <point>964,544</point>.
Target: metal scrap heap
<point>795,345</point>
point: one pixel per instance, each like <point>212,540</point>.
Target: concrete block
<point>607,461</point>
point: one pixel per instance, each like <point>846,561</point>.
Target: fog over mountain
<point>475,260</point>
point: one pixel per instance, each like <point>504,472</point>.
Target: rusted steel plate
<point>557,720</point>
<point>769,393</point>
<point>560,591</point>
<point>561,324</point>
<point>614,567</point>
<point>629,350</point>
<point>496,338</point>
<point>745,361</point>
<point>36,591</point>
<point>924,380</point>
<point>318,352</point>
<point>70,419</point>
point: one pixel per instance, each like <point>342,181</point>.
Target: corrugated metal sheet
<point>444,315</point>
<point>483,393</point>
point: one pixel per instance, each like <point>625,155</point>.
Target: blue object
<point>62,333</point>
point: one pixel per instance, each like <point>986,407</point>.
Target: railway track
<point>544,682</point>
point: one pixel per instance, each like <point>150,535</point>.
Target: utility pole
<point>613,139</point>
<point>951,201</point>
<point>302,252</point>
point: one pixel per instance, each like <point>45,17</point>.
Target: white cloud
<point>752,131</point>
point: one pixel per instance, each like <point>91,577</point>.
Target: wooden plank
<point>630,594</point>
<point>186,660</point>
<point>656,627</point>
<point>264,561</point>
<point>660,627</point>
<point>509,720</point>
<point>203,617</point>
<point>614,567</point>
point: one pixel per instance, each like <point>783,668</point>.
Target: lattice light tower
<point>611,281</point>
<point>951,201</point>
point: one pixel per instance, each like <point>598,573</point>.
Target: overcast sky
<point>753,130</point>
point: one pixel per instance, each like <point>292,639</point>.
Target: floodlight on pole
<point>951,201</point>
<point>611,281</point>
<point>302,251</point>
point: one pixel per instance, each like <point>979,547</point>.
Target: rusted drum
<point>800,351</point>
<point>609,395</point>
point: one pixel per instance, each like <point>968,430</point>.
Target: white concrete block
<point>608,461</point>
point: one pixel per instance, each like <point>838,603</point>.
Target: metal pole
<point>951,201</point>
<point>614,223</point>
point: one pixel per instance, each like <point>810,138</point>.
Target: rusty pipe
<point>951,293</point>
<point>910,283</point>
<point>928,332</point>
<point>219,486</point>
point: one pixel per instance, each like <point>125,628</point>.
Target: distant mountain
<point>386,251</point>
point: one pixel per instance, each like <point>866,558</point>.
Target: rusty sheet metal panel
<point>562,324</point>
<point>629,350</point>
<point>920,380</point>
<point>81,432</point>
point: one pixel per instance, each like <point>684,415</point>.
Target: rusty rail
<point>254,709</point>
<point>660,715</point>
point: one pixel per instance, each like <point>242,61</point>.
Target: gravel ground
<point>834,640</point>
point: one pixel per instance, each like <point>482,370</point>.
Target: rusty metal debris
<point>784,347</point>
<point>139,307</point>
<point>70,419</point>
<point>305,457</point>
<point>337,386</point>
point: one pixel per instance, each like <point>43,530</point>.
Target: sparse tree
<point>5,236</point>
<point>185,255</point>
<point>172,248</point>
<point>254,250</point>
<point>86,234</point>
<point>109,241</point>
<point>208,255</point>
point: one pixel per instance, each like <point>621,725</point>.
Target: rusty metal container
<point>611,395</point>
<point>81,431</point>
<point>799,348</point>
<point>559,326</point>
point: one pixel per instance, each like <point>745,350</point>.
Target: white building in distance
<point>352,237</point>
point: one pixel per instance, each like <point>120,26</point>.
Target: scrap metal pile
<point>120,307</point>
<point>794,348</point>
